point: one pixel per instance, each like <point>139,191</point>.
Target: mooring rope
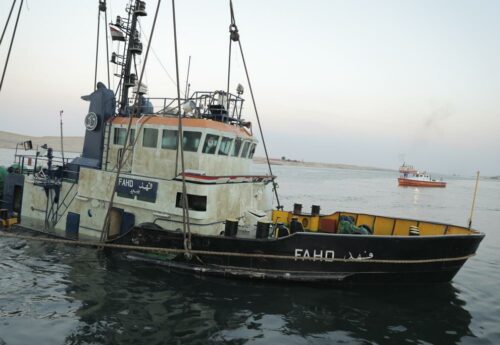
<point>231,254</point>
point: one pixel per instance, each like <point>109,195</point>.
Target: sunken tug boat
<point>169,181</point>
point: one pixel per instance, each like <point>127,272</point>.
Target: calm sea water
<point>53,294</point>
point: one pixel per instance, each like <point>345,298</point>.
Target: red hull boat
<point>408,182</point>
<point>411,177</point>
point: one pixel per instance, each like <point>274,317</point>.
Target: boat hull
<point>312,257</point>
<point>417,183</point>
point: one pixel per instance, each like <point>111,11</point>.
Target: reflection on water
<point>415,196</point>
<point>94,298</point>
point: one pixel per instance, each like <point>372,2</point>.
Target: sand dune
<point>9,140</point>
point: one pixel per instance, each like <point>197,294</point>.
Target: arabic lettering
<point>360,257</point>
<point>147,187</point>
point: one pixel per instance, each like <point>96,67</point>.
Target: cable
<point>180,146</point>
<point>235,37</point>
<point>157,58</point>
<point>107,219</point>
<point>11,42</point>
<point>7,22</point>
<point>107,39</point>
<point>97,44</point>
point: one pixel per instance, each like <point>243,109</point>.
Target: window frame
<point>219,153</point>
<point>184,143</point>
<point>205,144</point>
<point>240,141</point>
<point>247,146</point>
<point>144,137</point>
<point>176,145</point>
<point>251,151</point>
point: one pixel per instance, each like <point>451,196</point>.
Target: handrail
<point>203,100</point>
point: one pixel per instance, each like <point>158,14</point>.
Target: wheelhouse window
<point>252,151</point>
<point>150,137</point>
<point>237,147</point>
<point>211,142</point>
<point>169,139</point>
<point>191,141</point>
<point>225,146</point>
<point>120,134</point>
<point>244,152</point>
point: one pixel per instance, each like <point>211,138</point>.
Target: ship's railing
<point>44,168</point>
<point>206,104</point>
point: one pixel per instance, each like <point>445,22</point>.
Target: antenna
<point>186,90</point>
<point>473,200</point>
<point>61,125</point>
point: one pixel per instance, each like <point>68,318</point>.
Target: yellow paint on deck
<point>281,217</point>
<point>383,226</point>
<point>402,227</point>
<point>457,230</point>
<point>7,223</point>
<point>429,229</point>
<point>365,219</point>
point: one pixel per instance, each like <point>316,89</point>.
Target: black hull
<point>340,259</point>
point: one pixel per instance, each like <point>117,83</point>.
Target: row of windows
<point>190,142</point>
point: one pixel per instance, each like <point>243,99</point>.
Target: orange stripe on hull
<point>414,183</point>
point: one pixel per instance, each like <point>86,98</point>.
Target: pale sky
<point>357,82</point>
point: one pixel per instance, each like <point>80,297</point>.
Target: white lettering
<point>318,255</point>
<point>298,253</point>
<point>126,182</point>
<point>329,255</point>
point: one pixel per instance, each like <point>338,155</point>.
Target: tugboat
<point>410,177</point>
<point>169,181</point>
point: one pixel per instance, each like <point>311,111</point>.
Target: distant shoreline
<point>9,140</point>
<point>274,161</point>
<point>74,144</point>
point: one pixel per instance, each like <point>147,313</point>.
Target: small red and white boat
<point>411,177</point>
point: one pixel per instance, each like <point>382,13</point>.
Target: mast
<point>134,47</point>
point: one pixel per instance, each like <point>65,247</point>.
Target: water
<point>53,294</point>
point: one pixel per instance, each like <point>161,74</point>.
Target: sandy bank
<point>9,140</point>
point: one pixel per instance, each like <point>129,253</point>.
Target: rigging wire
<point>107,39</point>
<point>8,20</point>
<point>180,147</point>
<point>102,8</point>
<point>229,71</point>
<point>186,90</point>
<point>157,57</point>
<point>11,43</point>
<point>97,44</point>
<point>107,219</point>
<point>235,37</point>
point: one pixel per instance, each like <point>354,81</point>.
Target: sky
<point>362,82</point>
